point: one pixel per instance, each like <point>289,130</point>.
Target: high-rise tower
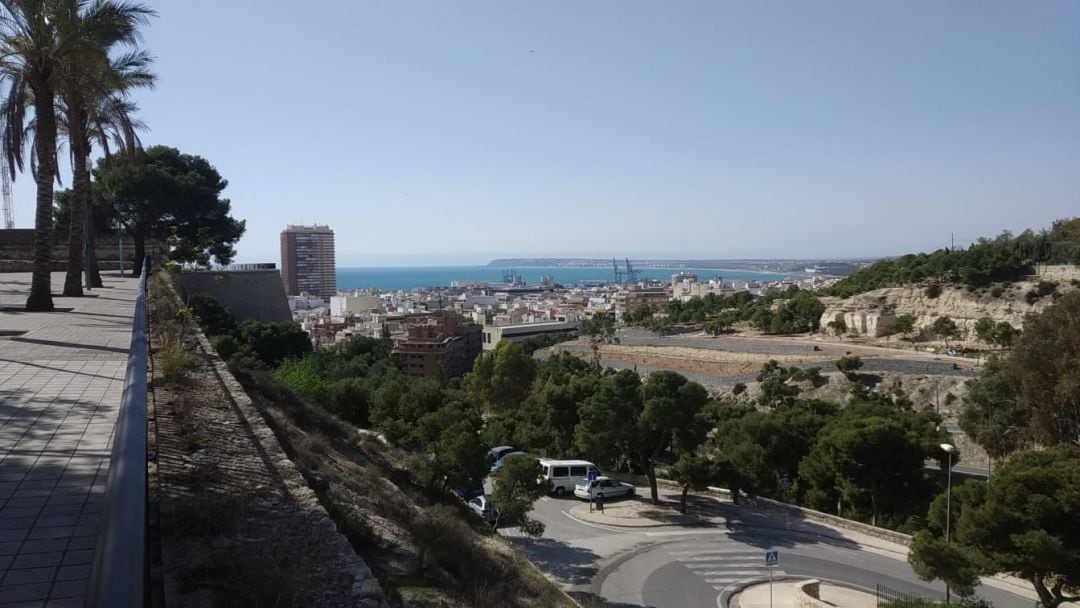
<point>307,260</point>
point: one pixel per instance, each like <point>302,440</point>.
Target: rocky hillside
<point>867,314</point>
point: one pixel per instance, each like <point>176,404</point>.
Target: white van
<point>565,474</point>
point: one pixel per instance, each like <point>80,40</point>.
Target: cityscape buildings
<point>307,260</point>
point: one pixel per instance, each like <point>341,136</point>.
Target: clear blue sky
<point>450,132</point>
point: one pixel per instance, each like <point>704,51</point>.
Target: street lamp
<point>949,449</point>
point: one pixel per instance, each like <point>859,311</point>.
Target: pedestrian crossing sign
<point>772,558</point>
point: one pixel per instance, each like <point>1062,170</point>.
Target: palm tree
<point>92,90</point>
<point>95,107</point>
<point>34,41</point>
<point>43,45</point>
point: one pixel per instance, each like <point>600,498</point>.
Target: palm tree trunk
<point>91,240</point>
<point>76,244</point>
<point>45,150</point>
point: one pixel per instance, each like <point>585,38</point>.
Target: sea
<point>413,277</point>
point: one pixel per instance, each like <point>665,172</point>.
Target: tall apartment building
<point>307,260</point>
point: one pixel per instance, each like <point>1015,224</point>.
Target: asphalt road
<point>691,567</point>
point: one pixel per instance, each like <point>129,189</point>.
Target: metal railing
<point>119,571</point>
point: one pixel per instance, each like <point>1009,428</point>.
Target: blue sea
<point>412,277</point>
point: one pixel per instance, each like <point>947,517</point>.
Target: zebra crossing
<point>726,566</point>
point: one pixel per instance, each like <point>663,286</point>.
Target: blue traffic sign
<point>785,483</point>
<point>592,474</point>
<point>772,558</point>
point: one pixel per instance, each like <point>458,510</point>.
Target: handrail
<point>118,574</point>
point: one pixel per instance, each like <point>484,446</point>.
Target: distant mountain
<point>832,267</point>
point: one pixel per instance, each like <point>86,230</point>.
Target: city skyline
<point>692,130</point>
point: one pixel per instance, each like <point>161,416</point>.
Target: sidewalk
<point>783,596</point>
<point>61,378</point>
<point>641,513</point>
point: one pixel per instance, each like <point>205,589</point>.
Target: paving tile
<point>43,545</point>
<point>29,575</point>
<point>74,558</point>
<point>69,573</point>
<point>68,589</point>
<point>37,560</point>
<point>25,593</point>
<point>67,602</point>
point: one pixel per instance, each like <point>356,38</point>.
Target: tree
<point>163,194</point>
<point>869,460</point>
<point>600,329</point>
<point>694,472</point>
<point>1022,522</point>
<point>945,328</point>
<point>1044,370</point>
<point>849,365</point>
<point>1004,334</point>
<point>273,343</point>
<point>984,329</point>
<point>838,326</point>
<point>90,84</point>
<point>500,380</point>
<point>37,39</point>
<point>518,485</point>
<point>668,420</point>
<point>903,325</point>
<point>993,417</point>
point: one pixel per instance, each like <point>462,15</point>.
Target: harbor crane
<point>631,274</point>
<point>618,273</point>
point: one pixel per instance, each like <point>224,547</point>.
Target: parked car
<point>565,474</point>
<point>605,487</point>
<point>499,463</point>
<point>499,451</point>
<point>484,507</point>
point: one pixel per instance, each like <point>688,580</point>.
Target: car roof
<point>571,463</point>
<point>499,448</point>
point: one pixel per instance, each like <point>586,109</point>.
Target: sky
<point>434,132</point>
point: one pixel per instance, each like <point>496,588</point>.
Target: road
<point>691,567</point>
<point>875,358</point>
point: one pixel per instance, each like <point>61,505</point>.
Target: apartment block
<point>307,260</point>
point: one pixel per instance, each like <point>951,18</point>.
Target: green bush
<point>933,290</point>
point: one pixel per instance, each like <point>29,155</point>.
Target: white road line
<point>721,564</point>
<point>731,550</point>
<point>740,573</point>
<point>714,557</point>
<point>686,532</point>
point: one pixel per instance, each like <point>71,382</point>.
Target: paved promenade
<point>61,378</point>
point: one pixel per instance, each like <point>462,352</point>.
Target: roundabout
<point>638,554</point>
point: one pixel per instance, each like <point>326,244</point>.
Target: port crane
<point>618,273</point>
<point>631,274</point>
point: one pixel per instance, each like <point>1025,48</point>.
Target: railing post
<point>118,574</point>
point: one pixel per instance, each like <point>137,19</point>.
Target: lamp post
<point>949,449</point>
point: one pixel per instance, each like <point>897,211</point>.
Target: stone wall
<point>250,294</point>
<point>17,250</point>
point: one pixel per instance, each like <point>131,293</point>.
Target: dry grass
<point>424,553</point>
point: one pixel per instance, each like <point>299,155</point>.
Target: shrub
<point>1031,297</point>
<point>848,365</point>
<point>173,361</point>
<point>226,346</point>
<point>933,290</point>
<point>1045,288</point>
<point>739,388</point>
<point>997,291</point>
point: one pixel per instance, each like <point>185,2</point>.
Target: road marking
<point>684,532</point>
<point>700,565</point>
<point>708,551</point>
<point>713,558</point>
<point>545,498</point>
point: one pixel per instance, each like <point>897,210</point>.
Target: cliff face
<point>867,313</point>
